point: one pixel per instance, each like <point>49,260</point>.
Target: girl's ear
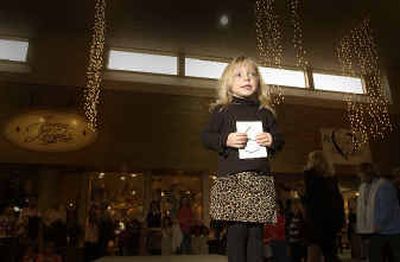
<point>228,89</point>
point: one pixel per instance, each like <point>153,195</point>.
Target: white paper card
<point>252,149</point>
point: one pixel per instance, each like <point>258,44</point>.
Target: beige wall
<point>147,130</point>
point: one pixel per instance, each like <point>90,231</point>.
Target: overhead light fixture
<point>224,20</point>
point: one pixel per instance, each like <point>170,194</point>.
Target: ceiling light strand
<point>269,42</point>
<point>92,91</point>
<point>295,8</point>
<point>357,53</point>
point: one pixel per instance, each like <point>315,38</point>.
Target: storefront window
<point>121,193</point>
<point>170,190</point>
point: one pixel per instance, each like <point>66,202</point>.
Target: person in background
<point>31,222</point>
<point>185,218</point>
<point>295,232</point>
<point>199,238</point>
<point>131,240</point>
<point>352,236</point>
<point>378,213</point>
<point>177,236</point>
<point>324,208</point>
<point>166,245</point>
<point>91,237</point>
<point>275,235</point>
<point>55,229</point>
<point>153,218</point>
<point>396,181</point>
<point>106,231</point>
<point>154,236</point>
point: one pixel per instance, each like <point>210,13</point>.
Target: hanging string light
<point>357,53</point>
<point>269,41</point>
<point>295,11</point>
<point>355,117</point>
<point>92,91</point>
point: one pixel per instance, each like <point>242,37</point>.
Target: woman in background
<point>324,212</point>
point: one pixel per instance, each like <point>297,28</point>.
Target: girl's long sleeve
<point>273,129</point>
<point>212,136</point>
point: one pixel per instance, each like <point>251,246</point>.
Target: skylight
<point>338,83</point>
<point>213,70</point>
<point>203,68</point>
<point>142,62</point>
<point>208,69</point>
<point>283,77</point>
<point>13,50</point>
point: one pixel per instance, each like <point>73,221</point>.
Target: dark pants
<point>298,251</point>
<point>9,249</point>
<point>91,251</point>
<point>329,248</point>
<point>280,250</point>
<point>377,243</point>
<point>245,242</point>
<point>186,245</point>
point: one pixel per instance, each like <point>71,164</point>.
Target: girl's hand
<point>264,139</point>
<point>237,140</point>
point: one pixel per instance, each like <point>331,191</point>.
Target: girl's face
<point>244,81</point>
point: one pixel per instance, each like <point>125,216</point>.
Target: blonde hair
<point>224,94</point>
<point>318,161</point>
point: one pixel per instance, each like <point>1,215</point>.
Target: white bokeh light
<point>224,20</point>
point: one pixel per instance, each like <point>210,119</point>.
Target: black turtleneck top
<point>223,122</point>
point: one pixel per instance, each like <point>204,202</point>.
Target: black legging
<point>245,242</point>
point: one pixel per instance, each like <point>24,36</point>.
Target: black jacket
<point>223,122</point>
<point>323,205</point>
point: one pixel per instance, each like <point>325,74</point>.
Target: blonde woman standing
<point>323,204</point>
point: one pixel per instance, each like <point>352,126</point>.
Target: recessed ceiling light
<point>224,20</point>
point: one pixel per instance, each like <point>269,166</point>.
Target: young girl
<point>244,192</point>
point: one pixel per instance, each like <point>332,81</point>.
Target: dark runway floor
<point>180,258</point>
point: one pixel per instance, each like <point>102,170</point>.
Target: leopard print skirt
<point>244,197</point>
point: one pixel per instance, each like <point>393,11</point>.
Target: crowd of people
<point>176,233</point>
<point>377,217</point>
<point>307,228</point>
<point>314,226</point>
<point>26,234</point>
